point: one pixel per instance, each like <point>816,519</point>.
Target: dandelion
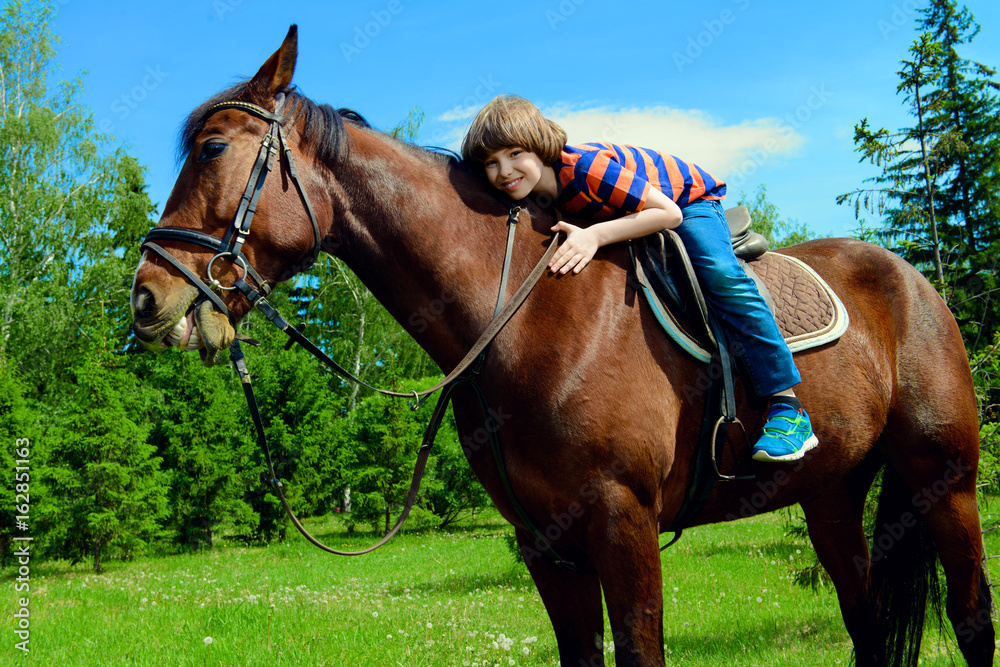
<point>430,625</point>
<point>374,614</point>
<point>208,641</point>
<point>760,599</point>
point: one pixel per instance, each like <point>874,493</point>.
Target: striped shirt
<point>602,181</point>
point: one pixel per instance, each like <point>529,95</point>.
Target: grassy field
<point>426,599</point>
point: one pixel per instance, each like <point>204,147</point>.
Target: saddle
<point>808,311</point>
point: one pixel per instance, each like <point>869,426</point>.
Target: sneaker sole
<point>764,457</point>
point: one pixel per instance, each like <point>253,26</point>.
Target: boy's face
<point>514,170</point>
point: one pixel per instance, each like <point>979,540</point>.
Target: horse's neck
<point>429,259</point>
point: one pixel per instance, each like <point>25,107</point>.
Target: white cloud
<point>725,150</point>
<point>459,113</point>
<point>689,134</point>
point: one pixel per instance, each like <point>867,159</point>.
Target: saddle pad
<point>808,312</point>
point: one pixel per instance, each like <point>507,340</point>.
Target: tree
<point>68,206</point>
<point>909,175</point>
<point>385,436</point>
<point>965,107</point>
<point>940,182</point>
<point>456,489</point>
<point>207,448</point>
<point>103,480</point>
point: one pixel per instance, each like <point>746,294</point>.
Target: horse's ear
<point>275,75</point>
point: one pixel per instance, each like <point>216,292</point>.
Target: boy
<point>631,192</point>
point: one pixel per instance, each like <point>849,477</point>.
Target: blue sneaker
<point>787,436</point>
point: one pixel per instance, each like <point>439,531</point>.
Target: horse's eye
<point>211,149</point>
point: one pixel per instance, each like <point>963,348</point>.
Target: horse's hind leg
<point>573,602</point>
<point>945,495</point>
<point>934,446</point>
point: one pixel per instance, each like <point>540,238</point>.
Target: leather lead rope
<point>472,363</point>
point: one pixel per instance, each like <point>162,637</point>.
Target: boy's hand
<point>576,251</point>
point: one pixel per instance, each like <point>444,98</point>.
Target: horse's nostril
<point>144,304</point>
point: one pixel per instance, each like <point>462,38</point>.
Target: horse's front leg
<point>624,543</point>
<point>572,599</point>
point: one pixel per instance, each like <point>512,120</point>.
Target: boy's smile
<point>519,172</point>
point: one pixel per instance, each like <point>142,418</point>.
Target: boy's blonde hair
<point>510,120</point>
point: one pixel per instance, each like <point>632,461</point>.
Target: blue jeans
<point>733,297</point>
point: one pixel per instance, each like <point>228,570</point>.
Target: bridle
<point>231,243</point>
<point>230,246</point>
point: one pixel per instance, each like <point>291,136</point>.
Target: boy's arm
<point>659,213</point>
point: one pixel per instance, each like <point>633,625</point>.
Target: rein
<point>465,373</point>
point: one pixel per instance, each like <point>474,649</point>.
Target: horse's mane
<point>323,126</point>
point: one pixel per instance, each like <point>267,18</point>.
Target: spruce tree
<point>104,486</point>
<point>965,108</point>
<point>939,190</point>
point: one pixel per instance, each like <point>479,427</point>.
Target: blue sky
<point>756,92</point>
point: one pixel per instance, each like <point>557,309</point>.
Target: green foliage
<point>207,448</point>
<point>986,374</point>
<point>69,209</point>
<point>386,437</point>
<point>939,190</point>
<point>410,127</point>
<point>457,492</point>
<point>302,421</point>
<point>103,485</point>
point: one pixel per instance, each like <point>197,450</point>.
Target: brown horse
<point>593,403</point>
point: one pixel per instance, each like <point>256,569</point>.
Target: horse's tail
<point>904,575</point>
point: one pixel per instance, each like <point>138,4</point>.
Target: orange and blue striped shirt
<point>602,181</point>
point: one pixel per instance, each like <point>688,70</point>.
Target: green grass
<point>425,599</point>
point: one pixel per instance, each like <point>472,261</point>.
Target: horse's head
<point>203,264</point>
